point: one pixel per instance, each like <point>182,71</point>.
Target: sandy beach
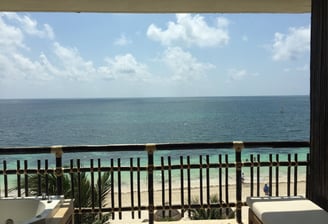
<point>214,189</point>
<point>195,193</point>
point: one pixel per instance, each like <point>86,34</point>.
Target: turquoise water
<point>44,122</point>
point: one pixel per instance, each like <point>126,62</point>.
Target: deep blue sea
<point>45,122</point>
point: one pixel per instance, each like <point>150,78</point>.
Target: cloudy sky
<point>86,55</point>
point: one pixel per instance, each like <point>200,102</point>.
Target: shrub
<point>211,213</point>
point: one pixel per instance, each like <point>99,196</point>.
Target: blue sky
<point>86,55</point>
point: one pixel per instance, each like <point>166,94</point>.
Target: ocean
<point>45,122</point>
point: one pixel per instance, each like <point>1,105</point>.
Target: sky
<point>93,55</point>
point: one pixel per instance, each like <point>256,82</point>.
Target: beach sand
<point>195,192</point>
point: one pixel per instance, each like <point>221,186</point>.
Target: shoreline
<point>213,182</point>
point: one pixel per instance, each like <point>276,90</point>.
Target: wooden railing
<point>146,183</point>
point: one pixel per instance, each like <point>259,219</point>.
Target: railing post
<point>150,148</point>
<point>238,146</point>
<point>57,150</point>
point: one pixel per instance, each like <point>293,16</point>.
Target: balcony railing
<point>157,178</point>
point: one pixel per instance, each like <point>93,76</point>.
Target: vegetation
<point>166,215</point>
<point>211,213</point>
<point>85,197</point>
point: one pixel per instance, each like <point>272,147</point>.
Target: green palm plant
<point>211,213</point>
<point>83,196</point>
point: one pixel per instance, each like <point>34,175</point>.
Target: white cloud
<point>30,26</point>
<point>191,30</point>
<point>14,63</point>
<point>239,74</point>
<point>49,31</point>
<point>122,41</point>
<point>125,67</point>
<point>7,68</point>
<point>11,37</point>
<point>290,46</point>
<point>48,66</point>
<point>236,74</point>
<point>63,63</point>
<point>17,66</point>
<point>183,65</point>
<point>30,69</point>
<point>73,66</point>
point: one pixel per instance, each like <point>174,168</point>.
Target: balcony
<point>157,181</point>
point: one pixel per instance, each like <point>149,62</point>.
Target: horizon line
<point>145,97</point>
